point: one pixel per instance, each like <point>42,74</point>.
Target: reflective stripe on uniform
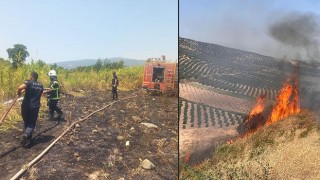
<point>57,97</point>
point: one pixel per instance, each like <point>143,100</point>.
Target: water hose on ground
<point>36,159</point>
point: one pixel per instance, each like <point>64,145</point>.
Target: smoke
<point>300,32</point>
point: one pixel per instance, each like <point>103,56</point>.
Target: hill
<point>212,75</point>
<point>88,62</point>
<point>228,93</point>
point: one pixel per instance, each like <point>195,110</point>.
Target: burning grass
<point>282,150</point>
<point>287,103</point>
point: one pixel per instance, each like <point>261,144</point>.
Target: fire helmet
<point>52,73</point>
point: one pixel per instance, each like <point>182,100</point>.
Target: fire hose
<point>8,110</point>
<point>36,159</point>
<point>11,105</point>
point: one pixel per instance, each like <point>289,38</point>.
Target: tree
<point>106,64</point>
<point>54,66</point>
<point>117,65</point>
<point>18,54</point>
<point>98,65</point>
<point>121,64</point>
<point>40,63</point>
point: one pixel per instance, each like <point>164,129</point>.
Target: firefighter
<point>115,83</point>
<point>54,95</point>
<point>30,106</point>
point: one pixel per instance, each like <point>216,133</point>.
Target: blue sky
<point>63,30</point>
<point>241,24</point>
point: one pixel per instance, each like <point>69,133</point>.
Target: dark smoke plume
<point>300,31</point>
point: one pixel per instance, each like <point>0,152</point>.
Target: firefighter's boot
<point>60,113</point>
<point>26,141</point>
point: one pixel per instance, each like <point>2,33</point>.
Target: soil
<point>96,148</point>
<point>199,143</point>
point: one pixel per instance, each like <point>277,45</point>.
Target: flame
<point>288,101</point>
<point>255,118</point>
<point>258,109</point>
<point>283,107</point>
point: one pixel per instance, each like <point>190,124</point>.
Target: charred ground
<point>96,148</point>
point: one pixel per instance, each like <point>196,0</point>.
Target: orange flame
<point>255,118</point>
<point>258,108</point>
<point>283,107</point>
<point>288,101</point>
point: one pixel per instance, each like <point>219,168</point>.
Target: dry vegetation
<point>73,82</point>
<point>286,149</point>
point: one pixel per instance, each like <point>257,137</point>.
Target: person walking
<point>115,84</point>
<point>54,95</point>
<point>30,106</point>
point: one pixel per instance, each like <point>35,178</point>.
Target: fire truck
<point>160,77</point>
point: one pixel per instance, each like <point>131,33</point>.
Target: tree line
<point>102,65</point>
<point>18,54</point>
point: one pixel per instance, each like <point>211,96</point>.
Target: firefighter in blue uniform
<point>30,106</point>
<point>54,95</point>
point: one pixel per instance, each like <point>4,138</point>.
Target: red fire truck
<point>160,77</point>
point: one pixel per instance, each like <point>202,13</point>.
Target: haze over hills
<point>88,62</point>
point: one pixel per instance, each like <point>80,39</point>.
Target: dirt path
<point>96,149</point>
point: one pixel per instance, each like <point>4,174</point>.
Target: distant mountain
<point>89,62</point>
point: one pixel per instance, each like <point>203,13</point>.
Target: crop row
<point>225,78</point>
<point>239,88</point>
<point>199,115</point>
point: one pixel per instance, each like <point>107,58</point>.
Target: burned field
<point>220,91</point>
<point>111,144</point>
